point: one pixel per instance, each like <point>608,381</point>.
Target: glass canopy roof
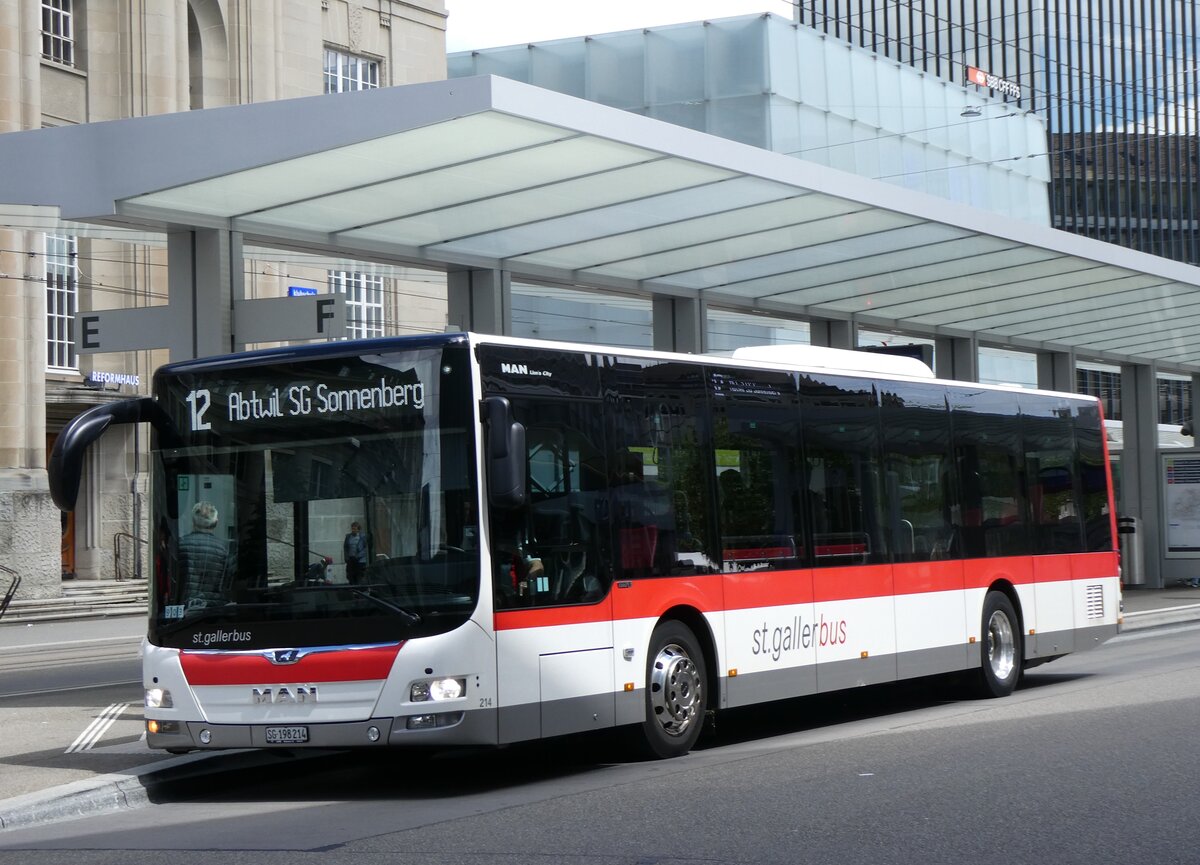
<point>487,172</point>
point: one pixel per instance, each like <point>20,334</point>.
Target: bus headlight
<point>159,698</point>
<point>437,689</point>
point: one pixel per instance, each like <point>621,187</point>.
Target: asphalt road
<point>1093,761</point>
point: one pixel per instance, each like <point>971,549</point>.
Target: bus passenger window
<point>922,499</point>
<point>990,464</point>
<point>552,551</point>
<point>660,489</point>
<point>845,496</point>
<point>1050,467</point>
<point>756,449</point>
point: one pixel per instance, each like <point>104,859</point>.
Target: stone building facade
<point>66,62</point>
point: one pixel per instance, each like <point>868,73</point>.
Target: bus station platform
<point>50,770</point>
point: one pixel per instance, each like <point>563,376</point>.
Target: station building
<point>503,206</point>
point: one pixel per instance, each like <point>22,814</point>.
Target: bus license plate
<point>287,735</point>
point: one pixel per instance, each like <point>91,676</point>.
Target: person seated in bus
<point>205,558</point>
<point>514,566</point>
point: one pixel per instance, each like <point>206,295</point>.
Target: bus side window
<point>1093,478</point>
<point>660,485</point>
<point>553,550</point>
<point>840,417</point>
<point>989,461</point>
<point>922,498</point>
<point>1050,467</point>
<point>756,450</point>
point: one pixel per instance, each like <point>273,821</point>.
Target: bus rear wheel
<point>1000,664</point>
<point>676,691</point>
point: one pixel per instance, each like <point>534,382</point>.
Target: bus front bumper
<point>448,728</point>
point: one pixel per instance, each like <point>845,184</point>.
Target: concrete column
<point>204,277</point>
<point>1056,371</point>
<point>680,324</point>
<point>1140,493</point>
<point>1194,411</point>
<point>833,333</point>
<point>956,358</point>
<point>29,522</point>
<point>479,300</point>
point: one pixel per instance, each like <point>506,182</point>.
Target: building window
<point>62,271</point>
<point>58,41</point>
<point>1105,385</point>
<point>364,301</point>
<point>1174,400</point>
<point>344,72</point>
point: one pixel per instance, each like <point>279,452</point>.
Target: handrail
<point>117,551</point>
<point>12,589</point>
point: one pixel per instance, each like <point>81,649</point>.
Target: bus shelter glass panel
<point>543,312</point>
<point>729,330</point>
<point>1005,366</point>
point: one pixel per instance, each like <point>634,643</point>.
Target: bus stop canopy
<point>491,173</point>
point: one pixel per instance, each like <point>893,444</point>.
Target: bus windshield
<point>325,503</point>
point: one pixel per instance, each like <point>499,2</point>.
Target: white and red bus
<point>557,538</point>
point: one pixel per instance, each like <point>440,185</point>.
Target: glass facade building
<point>1116,81</point>
<point>765,81</point>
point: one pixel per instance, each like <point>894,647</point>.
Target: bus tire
<point>1000,664</point>
<point>676,691</point>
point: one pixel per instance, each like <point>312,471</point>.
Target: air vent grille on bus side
<point>1095,602</point>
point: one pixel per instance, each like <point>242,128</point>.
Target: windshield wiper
<point>408,615</point>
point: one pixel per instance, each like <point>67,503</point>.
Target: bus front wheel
<point>676,691</point>
<point>1000,664</point>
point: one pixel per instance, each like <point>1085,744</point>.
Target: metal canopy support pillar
<point>1056,371</point>
<point>479,300</point>
<point>1193,412</point>
<point>956,358</point>
<point>1140,494</point>
<point>833,333</point>
<point>204,278</point>
<point>679,324</point>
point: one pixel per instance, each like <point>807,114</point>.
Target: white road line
<point>91,735</point>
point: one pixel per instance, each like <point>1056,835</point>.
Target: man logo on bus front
<point>284,656</point>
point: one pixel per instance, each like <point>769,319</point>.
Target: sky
<point>488,23</point>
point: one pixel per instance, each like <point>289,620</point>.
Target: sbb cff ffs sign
<point>994,82</point>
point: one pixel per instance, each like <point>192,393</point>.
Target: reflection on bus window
<point>841,434</point>
<point>553,550</point>
<point>661,489</point>
<point>756,433</point>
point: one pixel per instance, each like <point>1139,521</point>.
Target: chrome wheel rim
<point>675,690</point>
<point>1001,646</point>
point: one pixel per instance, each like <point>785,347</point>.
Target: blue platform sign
<point>300,291</point>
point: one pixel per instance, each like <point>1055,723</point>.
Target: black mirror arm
<point>66,459</point>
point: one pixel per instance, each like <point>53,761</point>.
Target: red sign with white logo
<point>981,78</point>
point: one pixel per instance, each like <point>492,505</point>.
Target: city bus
<point>555,538</point>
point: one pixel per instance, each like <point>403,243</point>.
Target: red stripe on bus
<point>651,597</point>
<point>343,665</point>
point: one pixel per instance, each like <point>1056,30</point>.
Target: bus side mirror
<point>505,454</point>
<point>65,465</point>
